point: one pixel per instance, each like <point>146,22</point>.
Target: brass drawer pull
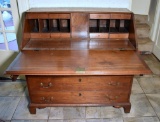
<point>47,100</point>
<point>47,86</point>
<point>112,98</point>
<point>113,84</point>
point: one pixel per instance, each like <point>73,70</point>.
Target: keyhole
<point>80,80</point>
<point>80,94</point>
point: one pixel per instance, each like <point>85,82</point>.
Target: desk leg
<point>32,109</point>
<point>127,108</point>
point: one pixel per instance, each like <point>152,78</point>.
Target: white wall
<point>140,6</point>
<point>80,3</point>
<point>137,6</point>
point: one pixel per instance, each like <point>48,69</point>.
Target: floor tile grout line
<point>123,118</point>
<point>148,99</point>
<point>153,108</point>
<point>49,114</point>
<point>28,119</point>
<point>141,86</point>
<point>85,112</point>
<point>142,117</point>
<point>16,107</point>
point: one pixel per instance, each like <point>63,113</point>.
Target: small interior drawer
<point>120,16</point>
<point>99,16</point>
<point>99,35</point>
<point>37,16</point>
<point>60,35</point>
<point>40,35</point>
<point>119,36</point>
<point>59,16</point>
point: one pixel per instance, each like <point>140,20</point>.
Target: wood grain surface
<point>77,62</point>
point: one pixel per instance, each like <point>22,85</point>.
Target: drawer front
<point>120,16</point>
<point>80,97</point>
<point>59,16</point>
<point>60,35</point>
<point>78,83</point>
<point>100,16</point>
<point>40,35</point>
<point>99,35</point>
<point>37,16</point>
<point>119,36</point>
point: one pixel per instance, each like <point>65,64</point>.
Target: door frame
<point>156,49</point>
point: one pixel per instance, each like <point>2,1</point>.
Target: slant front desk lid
<point>78,62</point>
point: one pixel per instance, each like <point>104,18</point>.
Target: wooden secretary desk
<point>78,57</point>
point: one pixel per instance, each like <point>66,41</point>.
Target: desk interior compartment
<point>54,25</point>
<point>99,25</point>
<point>99,28</point>
<point>65,25</point>
<point>104,25</point>
<point>44,25</point>
<point>114,25</point>
<point>124,26</point>
<point>33,25</point>
<point>119,28</point>
<point>59,25</point>
<point>94,26</point>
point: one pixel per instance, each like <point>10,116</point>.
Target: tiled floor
<point>145,100</point>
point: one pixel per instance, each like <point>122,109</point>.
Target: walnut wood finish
<point>99,35</point>
<point>82,44</point>
<point>60,35</point>
<point>100,16</point>
<point>120,16</point>
<point>60,16</point>
<point>81,62</point>
<point>78,57</point>
<point>36,16</point>
<point>118,36</point>
<point>81,97</point>
<point>40,35</point>
<point>80,24</point>
<point>78,83</point>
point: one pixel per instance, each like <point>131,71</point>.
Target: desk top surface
<point>77,62</point>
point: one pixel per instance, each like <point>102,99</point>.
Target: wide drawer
<point>78,83</point>
<point>85,97</point>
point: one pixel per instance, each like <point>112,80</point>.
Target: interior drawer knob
<point>80,94</point>
<point>114,84</point>
<point>46,86</point>
<point>80,80</point>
